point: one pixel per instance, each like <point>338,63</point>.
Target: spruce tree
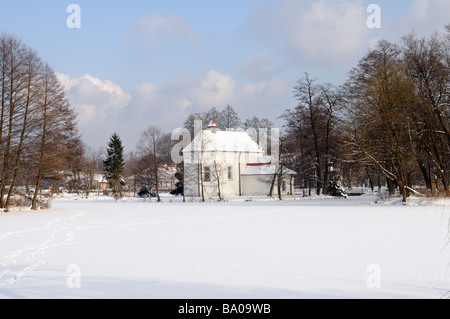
<point>114,163</point>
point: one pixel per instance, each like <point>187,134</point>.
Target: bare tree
<point>331,99</point>
<point>380,114</point>
<point>212,115</point>
<point>307,117</point>
<point>32,65</point>
<point>12,82</point>
<point>426,60</point>
<point>58,130</point>
<point>91,166</point>
<point>189,123</point>
<point>225,119</point>
<point>218,172</point>
<point>152,146</point>
<point>228,119</point>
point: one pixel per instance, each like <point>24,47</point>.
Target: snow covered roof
<point>261,160</point>
<point>100,178</point>
<point>225,141</point>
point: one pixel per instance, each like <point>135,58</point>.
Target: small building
<point>259,175</point>
<point>99,182</point>
<point>230,164</point>
<point>166,178</point>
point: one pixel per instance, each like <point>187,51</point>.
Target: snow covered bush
<point>178,189</point>
<point>336,188</point>
<point>144,192</point>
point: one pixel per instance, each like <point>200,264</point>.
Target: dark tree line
<point>388,123</point>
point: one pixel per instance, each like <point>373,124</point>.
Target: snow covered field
<point>305,248</point>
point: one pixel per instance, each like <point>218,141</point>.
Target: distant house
<point>99,182</point>
<point>232,164</point>
<point>166,178</point>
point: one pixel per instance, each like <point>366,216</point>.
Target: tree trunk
<point>5,173</point>
<point>21,141</point>
<point>272,184</point>
<point>202,191</point>
<point>397,177</point>
<point>42,148</point>
<point>157,182</point>
<point>425,174</point>
<point>36,190</point>
<point>326,176</point>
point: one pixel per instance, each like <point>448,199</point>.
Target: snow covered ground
<point>304,248</point>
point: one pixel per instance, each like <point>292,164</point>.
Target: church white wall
<point>259,185</point>
<point>218,163</point>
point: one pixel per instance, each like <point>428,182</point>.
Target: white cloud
<point>145,94</point>
<point>98,104</point>
<point>215,89</point>
<point>419,9</point>
<point>104,107</point>
<point>271,88</point>
<point>326,37</point>
<point>260,65</point>
<point>212,88</point>
<point>94,99</point>
<point>153,30</point>
<point>168,104</point>
<point>320,32</point>
<point>423,17</point>
<point>327,31</point>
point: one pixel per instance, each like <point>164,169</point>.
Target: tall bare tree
<point>426,60</point>
<point>91,166</point>
<point>58,131</point>
<point>12,51</point>
<point>32,68</point>
<point>154,145</point>
<point>380,113</point>
<point>228,119</point>
<point>312,134</point>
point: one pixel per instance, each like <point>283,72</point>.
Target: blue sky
<point>137,63</point>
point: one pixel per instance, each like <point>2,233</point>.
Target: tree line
<point>388,122</point>
<point>38,133</point>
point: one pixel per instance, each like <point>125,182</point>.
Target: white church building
<point>229,164</point>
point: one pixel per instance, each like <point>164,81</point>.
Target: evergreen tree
<point>114,164</point>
